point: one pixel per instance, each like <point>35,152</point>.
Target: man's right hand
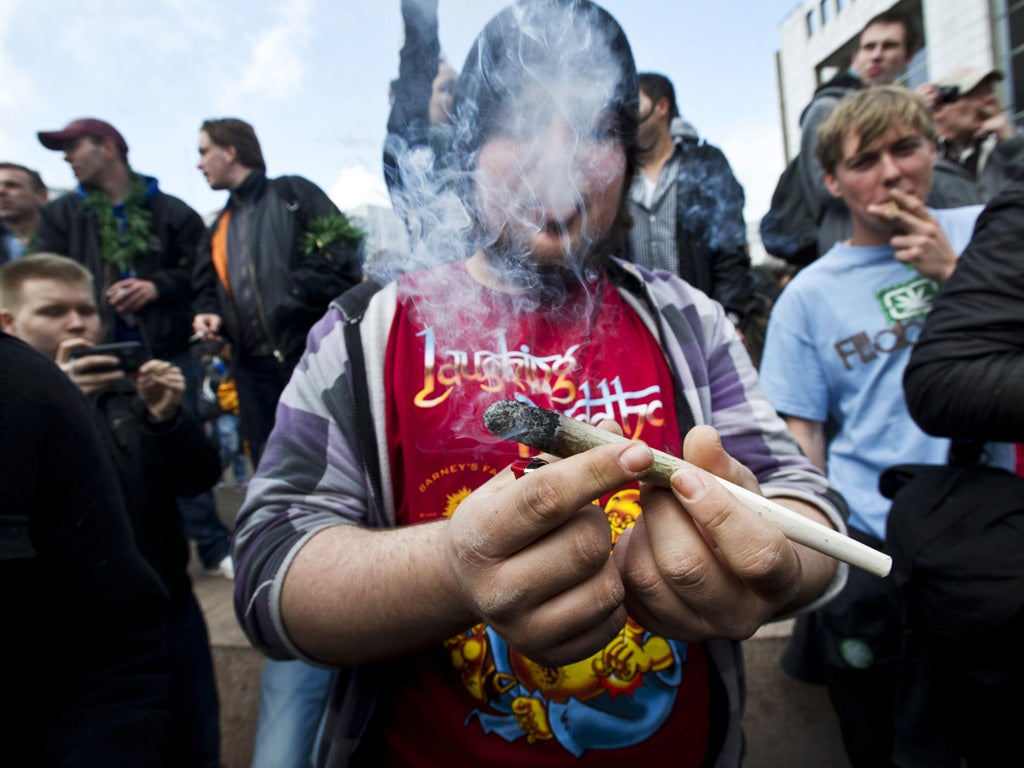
<point>532,556</point>
<point>207,324</point>
<point>81,369</point>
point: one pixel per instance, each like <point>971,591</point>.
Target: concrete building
<point>817,38</point>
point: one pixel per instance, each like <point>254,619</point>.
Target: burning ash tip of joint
<point>509,420</point>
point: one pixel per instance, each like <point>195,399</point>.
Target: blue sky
<point>312,77</point>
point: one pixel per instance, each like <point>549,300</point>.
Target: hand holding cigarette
<point>132,294</point>
<point>918,239</point>
<point>550,432</point>
<point>161,386</point>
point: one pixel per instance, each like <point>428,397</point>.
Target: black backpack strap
<point>353,304</point>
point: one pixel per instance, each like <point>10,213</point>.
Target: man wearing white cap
<point>977,140</point>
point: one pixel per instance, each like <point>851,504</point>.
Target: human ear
<point>832,185</point>
<point>7,322</point>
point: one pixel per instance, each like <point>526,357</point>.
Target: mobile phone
<point>948,93</point>
<point>130,355</point>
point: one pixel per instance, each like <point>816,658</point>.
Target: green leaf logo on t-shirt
<point>908,300</point>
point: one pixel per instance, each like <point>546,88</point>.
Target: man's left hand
<point>132,294</point>
<point>699,564</point>
<point>161,386</point>
<point>998,124</point>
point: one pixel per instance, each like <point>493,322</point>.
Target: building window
<point>826,12</point>
<point>811,23</point>
<point>840,4</point>
<point>1015,58</point>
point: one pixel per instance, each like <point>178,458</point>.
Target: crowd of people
<point>124,289</point>
<point>424,592</point>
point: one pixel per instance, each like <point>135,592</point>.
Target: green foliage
<point>325,231</point>
<point>119,246</point>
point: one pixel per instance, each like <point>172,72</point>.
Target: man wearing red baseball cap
<point>139,242</point>
<point>77,129</point>
<point>140,245</point>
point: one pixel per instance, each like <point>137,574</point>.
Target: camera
<point>130,355</point>
<point>948,93</point>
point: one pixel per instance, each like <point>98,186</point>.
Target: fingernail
<point>688,484</point>
<point>636,458</point>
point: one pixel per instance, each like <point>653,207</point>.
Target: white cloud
<point>358,186</point>
<point>755,154</point>
<point>276,66</point>
<point>15,85</point>
<point>106,36</point>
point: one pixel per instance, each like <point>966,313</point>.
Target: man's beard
<point>551,281</point>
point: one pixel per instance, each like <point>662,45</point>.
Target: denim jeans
<point>199,513</point>
<point>231,453</point>
<point>293,700</point>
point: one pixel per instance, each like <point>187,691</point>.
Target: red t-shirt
<point>474,700</point>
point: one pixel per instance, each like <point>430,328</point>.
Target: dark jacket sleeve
<point>91,660</point>
<point>712,240</point>
<point>965,377</point>
<point>1007,161</point>
<point>52,234</point>
<point>811,172</point>
<point>409,120</point>
<point>326,273</point>
<point>830,212</point>
<point>184,458</point>
<point>183,232</point>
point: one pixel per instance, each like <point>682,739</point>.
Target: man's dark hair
<point>34,179</point>
<point>232,132</point>
<point>658,87</point>
<point>520,45</point>
<point>911,28</point>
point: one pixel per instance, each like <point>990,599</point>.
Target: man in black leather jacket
<point>687,205</point>
<point>270,264</point>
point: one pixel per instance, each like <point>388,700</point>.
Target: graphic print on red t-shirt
<point>592,359</point>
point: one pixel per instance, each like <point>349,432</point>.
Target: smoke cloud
<point>538,152</point>
<point>548,89</point>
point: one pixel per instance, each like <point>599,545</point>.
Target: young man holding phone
<point>158,451</point>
